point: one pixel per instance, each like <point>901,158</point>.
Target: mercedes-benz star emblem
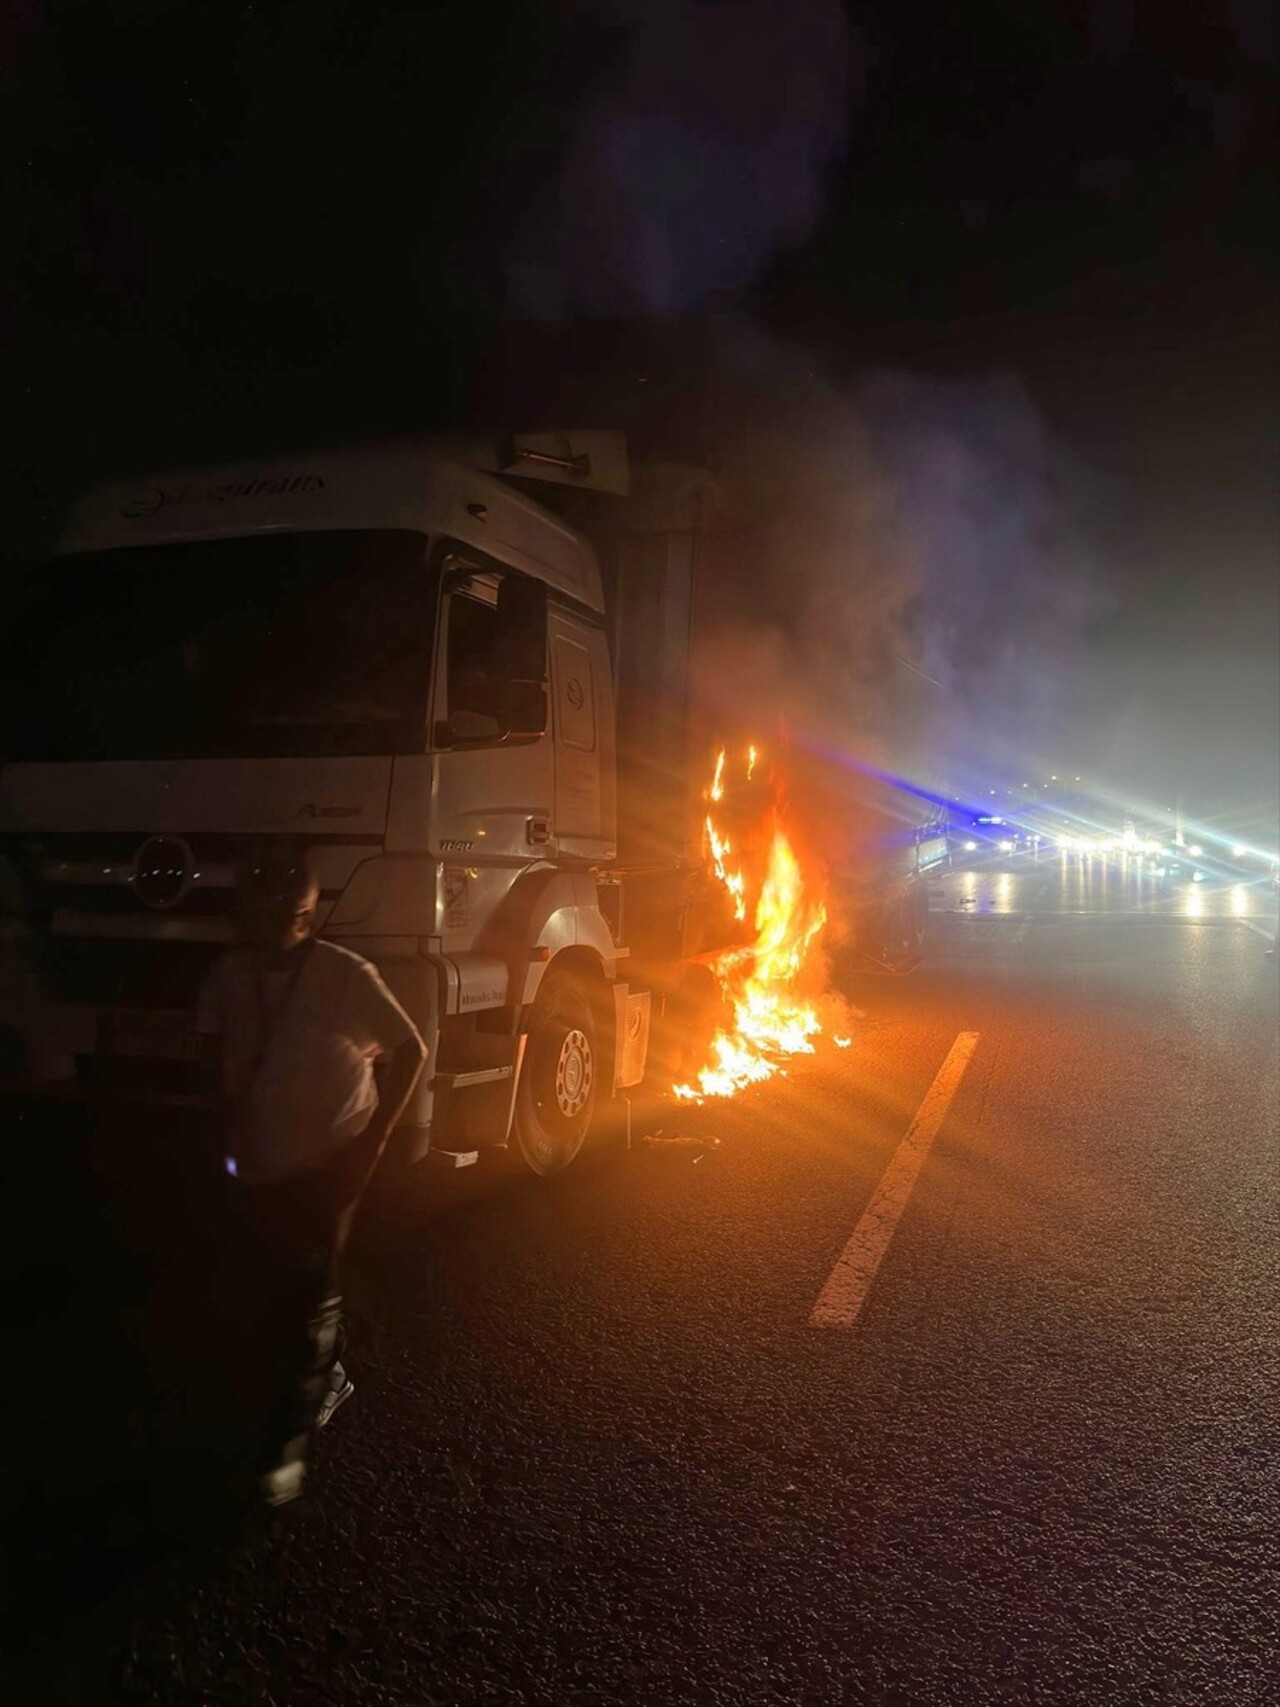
<point>162,871</point>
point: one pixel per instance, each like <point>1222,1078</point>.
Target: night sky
<point>233,228</point>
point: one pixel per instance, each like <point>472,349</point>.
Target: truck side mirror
<point>524,714</point>
<point>522,631</point>
<point>462,726</point>
<point>525,708</point>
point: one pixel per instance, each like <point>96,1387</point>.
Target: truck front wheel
<point>559,1078</point>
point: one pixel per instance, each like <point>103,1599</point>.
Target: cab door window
<point>495,659</point>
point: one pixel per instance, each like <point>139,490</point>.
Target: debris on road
<point>678,1144</point>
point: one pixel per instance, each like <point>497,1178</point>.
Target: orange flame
<point>770,1021</point>
<point>719,847</point>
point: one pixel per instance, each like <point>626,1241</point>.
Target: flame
<point>719,847</point>
<point>770,1021</point>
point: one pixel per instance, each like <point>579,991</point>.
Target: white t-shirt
<point>298,1054</point>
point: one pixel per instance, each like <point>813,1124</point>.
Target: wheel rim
<point>574,1072</point>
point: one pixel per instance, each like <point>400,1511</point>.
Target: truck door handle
<point>537,832</point>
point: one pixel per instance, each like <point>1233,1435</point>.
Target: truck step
<point>478,1076</point>
<point>452,1159</point>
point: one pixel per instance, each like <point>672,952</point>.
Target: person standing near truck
<point>295,1027</point>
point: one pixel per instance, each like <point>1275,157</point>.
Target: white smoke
<point>709,152</point>
<point>904,568</point>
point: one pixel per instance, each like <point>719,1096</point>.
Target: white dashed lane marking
<point>841,1299</point>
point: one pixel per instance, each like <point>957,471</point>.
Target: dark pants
<point>291,1236</point>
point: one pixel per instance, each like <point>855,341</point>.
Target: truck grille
<point>79,886</point>
<point>125,974</point>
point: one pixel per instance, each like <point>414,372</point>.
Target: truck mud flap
<point>632,1013</point>
<point>473,1105</point>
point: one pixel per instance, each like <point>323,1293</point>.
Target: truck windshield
<point>271,645</point>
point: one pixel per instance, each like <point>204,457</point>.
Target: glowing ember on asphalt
<point>771,1021</point>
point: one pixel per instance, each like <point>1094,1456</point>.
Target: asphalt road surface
<point>600,1452</point>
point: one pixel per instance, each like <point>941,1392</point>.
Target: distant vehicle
<point>983,833</point>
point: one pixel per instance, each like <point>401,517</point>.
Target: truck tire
<point>559,1084</point>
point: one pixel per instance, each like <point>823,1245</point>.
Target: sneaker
<point>340,1388</point>
<point>284,1483</point>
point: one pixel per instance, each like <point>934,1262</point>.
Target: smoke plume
<point>708,153</point>
<point>900,576</point>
